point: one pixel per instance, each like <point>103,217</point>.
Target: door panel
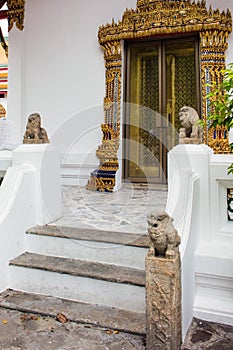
<point>161,78</point>
<point>144,147</point>
<point>180,79</point>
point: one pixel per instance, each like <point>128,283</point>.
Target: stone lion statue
<point>34,132</point>
<point>164,238</point>
<point>190,131</point>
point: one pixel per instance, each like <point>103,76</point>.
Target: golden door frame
<point>151,19</point>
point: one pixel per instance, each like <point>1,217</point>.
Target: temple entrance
<point>161,77</point>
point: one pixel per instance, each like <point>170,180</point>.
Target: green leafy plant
<point>221,103</point>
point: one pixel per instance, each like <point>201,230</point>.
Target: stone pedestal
<point>163,294</point>
<point>190,140</point>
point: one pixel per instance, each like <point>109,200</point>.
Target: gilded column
<point>213,45</point>
<point>103,178</point>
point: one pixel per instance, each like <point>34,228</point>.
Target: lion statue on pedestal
<point>34,132</point>
<point>190,131</point>
<point>164,238</point>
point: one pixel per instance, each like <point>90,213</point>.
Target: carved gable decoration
<point>154,17</point>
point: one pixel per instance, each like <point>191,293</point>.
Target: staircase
<point>98,276</point>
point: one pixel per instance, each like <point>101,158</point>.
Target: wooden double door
<point>161,77</point>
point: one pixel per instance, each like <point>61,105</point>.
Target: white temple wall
<point>199,200</point>
<point>62,69</point>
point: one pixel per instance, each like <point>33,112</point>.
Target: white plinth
<point>45,159</point>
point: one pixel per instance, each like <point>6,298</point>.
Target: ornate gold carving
<point>108,132</point>
<point>15,13</point>
<point>218,139</point>
<point>107,151</point>
<point>213,45</point>
<point>101,184</point>
<point>112,50</point>
<point>154,18</point>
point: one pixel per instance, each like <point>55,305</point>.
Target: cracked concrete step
<point>124,249</point>
<point>97,315</point>
<point>85,281</point>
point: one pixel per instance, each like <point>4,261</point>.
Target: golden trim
<point>151,19</point>
<point>15,13</point>
<point>101,184</point>
<point>218,139</point>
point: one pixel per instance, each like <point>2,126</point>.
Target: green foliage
<point>230,169</point>
<point>221,99</point>
<point>221,103</point>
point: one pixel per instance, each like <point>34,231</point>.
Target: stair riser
<point>88,290</point>
<point>87,250</point>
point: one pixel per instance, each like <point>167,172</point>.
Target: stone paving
<point>123,211</point>
<point>32,331</point>
<point>23,331</point>
<point>203,335</point>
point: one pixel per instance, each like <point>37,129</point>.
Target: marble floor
<point>124,210</point>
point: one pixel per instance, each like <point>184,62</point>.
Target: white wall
<point>197,200</point>
<point>63,69</point>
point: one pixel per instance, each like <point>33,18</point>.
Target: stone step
<point>97,315</point>
<point>121,238</point>
<point>124,249</point>
<point>107,272</point>
<point>85,281</point>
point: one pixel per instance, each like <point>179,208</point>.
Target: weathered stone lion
<point>34,132</point>
<point>164,238</point>
<point>189,127</point>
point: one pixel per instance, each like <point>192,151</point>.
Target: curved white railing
<point>197,200</point>
<point>182,191</point>
<point>17,213</point>
<point>30,195</point>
